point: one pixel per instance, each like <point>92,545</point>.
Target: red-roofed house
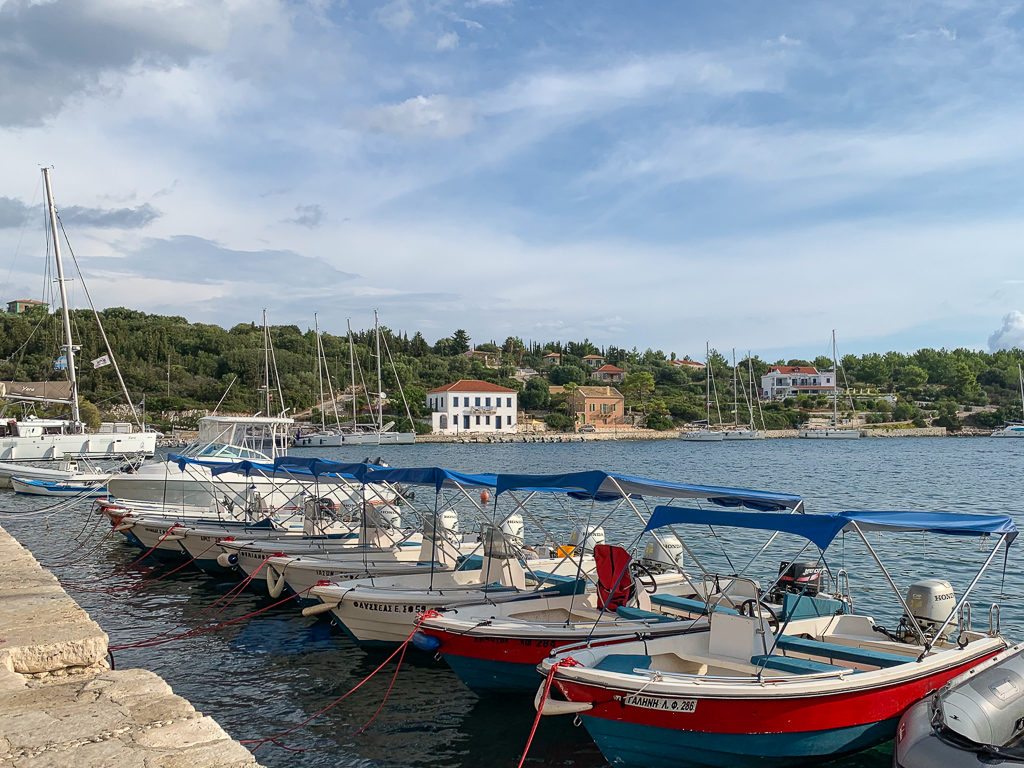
<point>688,364</point>
<point>784,381</point>
<point>609,374</point>
<point>594,361</point>
<point>471,405</point>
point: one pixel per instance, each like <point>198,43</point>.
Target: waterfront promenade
<point>62,705</point>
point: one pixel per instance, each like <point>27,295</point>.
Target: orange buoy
<point>484,496</point>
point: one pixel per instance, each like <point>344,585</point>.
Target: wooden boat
<point>743,690</point>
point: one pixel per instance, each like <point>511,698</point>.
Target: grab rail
<point>963,624</point>
<point>993,620</point>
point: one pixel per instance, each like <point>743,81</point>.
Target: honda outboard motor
<point>586,537</point>
<point>663,552</point>
<point>930,601</point>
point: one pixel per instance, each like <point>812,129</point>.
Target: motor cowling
<point>512,526</point>
<point>931,601</point>
<point>662,552</point>
<point>587,537</point>
<point>227,559</point>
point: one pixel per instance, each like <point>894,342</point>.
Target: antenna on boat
<point>69,348</point>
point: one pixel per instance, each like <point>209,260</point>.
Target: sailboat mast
<point>735,393</point>
<point>835,388</point>
<point>750,389</point>
<point>69,348</point>
<point>380,384</point>
<point>352,370</point>
<point>707,379</point>
<point>1020,378</point>
<point>266,362</point>
<point>320,371</point>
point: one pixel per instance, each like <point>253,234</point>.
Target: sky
<point>640,174</point>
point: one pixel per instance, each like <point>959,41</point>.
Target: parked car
<point>587,428</point>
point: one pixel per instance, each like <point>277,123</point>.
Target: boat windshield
<point>235,439</point>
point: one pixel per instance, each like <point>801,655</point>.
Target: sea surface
<point>260,676</point>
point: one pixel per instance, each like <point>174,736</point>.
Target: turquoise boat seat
<point>559,584</point>
<point>639,614</point>
<point>792,666</point>
<point>623,662</point>
<point>687,604</point>
<point>841,653</point>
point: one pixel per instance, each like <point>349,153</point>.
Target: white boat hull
<point>56,447</point>
<point>1010,430</point>
<point>26,472</point>
<point>330,439</point>
<point>58,488</point>
<point>702,436</point>
<point>744,434</point>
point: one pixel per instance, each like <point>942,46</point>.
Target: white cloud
<point>434,116</point>
<point>449,41</point>
<point>396,16</point>
<point>1011,335</point>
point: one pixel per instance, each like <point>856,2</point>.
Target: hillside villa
<point>472,406</point>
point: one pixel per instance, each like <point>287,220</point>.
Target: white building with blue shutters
<point>471,406</point>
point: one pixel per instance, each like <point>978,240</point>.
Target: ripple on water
<point>262,676</point>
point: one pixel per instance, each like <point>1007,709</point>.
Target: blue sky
<point>650,174</point>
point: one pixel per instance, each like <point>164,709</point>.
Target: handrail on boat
<point>744,680</point>
<point>993,620</point>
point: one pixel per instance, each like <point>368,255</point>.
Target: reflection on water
<point>259,677</point>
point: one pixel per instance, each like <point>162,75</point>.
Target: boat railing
<point>717,588</point>
<point>993,619</point>
<point>843,588</point>
<point>963,622</point>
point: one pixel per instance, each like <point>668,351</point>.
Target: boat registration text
<point>663,705</point>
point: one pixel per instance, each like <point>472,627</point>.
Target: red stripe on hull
<point>750,714</point>
<point>505,649</point>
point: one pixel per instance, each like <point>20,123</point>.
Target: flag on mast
<point>99,362</point>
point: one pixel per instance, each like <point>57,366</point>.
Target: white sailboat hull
<point>702,436</point>
<point>1010,430</point>
<point>744,434</point>
<point>91,445</point>
<point>330,439</point>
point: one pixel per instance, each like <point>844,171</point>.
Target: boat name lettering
<point>388,608</point>
<point>664,705</point>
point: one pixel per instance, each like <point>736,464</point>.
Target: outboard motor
<point>663,552</point>
<point>440,538</point>
<point>586,537</point>
<point>512,527</point>
<point>931,601</point>
<point>799,577</point>
<point>317,515</point>
<point>501,563</point>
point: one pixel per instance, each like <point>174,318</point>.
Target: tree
<point>823,363</point>
<point>639,384</point>
<point>659,422</point>
<point>911,377</point>
<point>965,385</point>
<point>90,413</point>
<point>564,374</point>
<point>559,421</point>
<point>536,395</point>
<point>460,342</point>
<point>947,416</point>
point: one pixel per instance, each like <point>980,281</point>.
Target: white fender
<point>275,582</point>
<point>316,610</point>
<point>550,706</point>
<point>125,525</point>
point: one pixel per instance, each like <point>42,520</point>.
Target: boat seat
<point>687,604</point>
<point>639,614</point>
<point>623,662</point>
<point>841,653</point>
<point>793,666</point>
<point>558,584</point>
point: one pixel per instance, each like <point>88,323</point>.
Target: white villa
<point>784,381</point>
<point>472,406</point>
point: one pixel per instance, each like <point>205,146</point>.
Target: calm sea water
<point>263,675</point>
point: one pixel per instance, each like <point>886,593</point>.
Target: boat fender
<point>426,643</point>
<point>551,706</point>
<point>227,560</point>
<point>275,582</point>
<point>124,525</point>
<point>316,610</point>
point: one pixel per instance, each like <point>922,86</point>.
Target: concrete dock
<point>60,703</point>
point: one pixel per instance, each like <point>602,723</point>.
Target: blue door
<point>497,422</point>
<point>465,422</point>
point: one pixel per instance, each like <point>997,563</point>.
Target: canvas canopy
<point>600,485</point>
<point>822,529</point>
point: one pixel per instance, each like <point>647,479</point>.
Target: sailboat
<point>832,432</point>
<point>737,432</point>
<point>33,439</point>
<point>705,434</point>
<point>374,433</point>
<point>1014,428</point>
